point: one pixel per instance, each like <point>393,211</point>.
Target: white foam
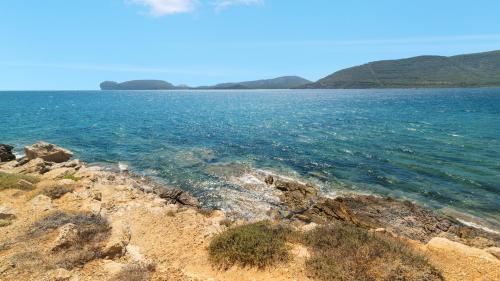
<point>122,166</point>
<point>250,179</point>
<point>475,225</point>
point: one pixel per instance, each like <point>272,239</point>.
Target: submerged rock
<point>48,152</point>
<point>6,153</point>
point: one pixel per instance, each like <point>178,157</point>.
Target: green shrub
<point>257,245</point>
<point>16,181</point>
<point>71,177</point>
<point>344,252</point>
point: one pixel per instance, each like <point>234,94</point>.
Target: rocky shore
<point>62,219</point>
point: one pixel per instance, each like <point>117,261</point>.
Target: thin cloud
<point>160,8</point>
<point>223,4</point>
<point>167,7</point>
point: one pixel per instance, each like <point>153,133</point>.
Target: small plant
<point>17,181</point>
<point>345,252</point>
<point>226,222</point>
<point>71,177</point>
<point>5,222</point>
<point>257,245</point>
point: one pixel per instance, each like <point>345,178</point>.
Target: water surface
<point>438,147</point>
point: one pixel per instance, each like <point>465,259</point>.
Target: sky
<point>74,45</point>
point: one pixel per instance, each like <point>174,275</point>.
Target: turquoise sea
<point>439,147</point>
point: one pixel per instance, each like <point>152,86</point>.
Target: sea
<point>437,147</point>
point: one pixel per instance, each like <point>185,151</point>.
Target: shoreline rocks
<point>6,153</point>
<point>117,221</point>
<point>48,152</point>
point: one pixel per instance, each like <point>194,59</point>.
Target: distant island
<point>469,70</point>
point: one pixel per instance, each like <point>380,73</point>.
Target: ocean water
<point>438,147</point>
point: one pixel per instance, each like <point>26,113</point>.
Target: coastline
<point>164,231</point>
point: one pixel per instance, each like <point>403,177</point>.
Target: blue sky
<point>61,44</point>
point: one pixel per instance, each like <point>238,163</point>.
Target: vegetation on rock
<point>16,181</point>
<point>256,245</point>
<point>345,252</point>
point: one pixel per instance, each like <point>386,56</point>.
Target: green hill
<point>471,70</point>
<point>137,85</point>
<point>285,82</point>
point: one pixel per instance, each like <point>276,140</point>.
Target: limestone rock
<point>6,216</point>
<point>68,236</point>
<point>495,251</point>
<point>58,173</point>
<point>41,203</point>
<point>6,153</point>
<point>48,152</point>
<point>118,241</point>
<point>35,166</point>
<point>61,274</point>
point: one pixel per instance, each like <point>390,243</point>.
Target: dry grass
<point>344,252</point>
<point>16,181</point>
<point>57,191</point>
<point>133,272</point>
<point>92,231</point>
<point>257,245</point>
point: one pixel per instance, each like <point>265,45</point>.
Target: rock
<point>113,268</point>
<point>48,152</point>
<point>35,166</point>
<point>67,237</point>
<point>269,179</point>
<point>297,195</point>
<point>118,240</point>
<point>495,251</point>
<point>61,274</point>
<point>177,195</point>
<point>41,203</point>
<point>58,173</point>
<point>25,183</point>
<point>6,216</point>
<point>6,153</point>
<point>138,258</point>
<point>21,161</point>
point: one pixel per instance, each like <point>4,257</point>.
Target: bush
<point>344,252</point>
<point>16,181</point>
<point>257,245</point>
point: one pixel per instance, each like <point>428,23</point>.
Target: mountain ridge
<point>426,71</point>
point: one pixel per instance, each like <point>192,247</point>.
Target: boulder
<point>6,153</point>
<point>176,195</point>
<point>68,236</point>
<point>118,240</point>
<point>48,152</point>
<point>36,166</point>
